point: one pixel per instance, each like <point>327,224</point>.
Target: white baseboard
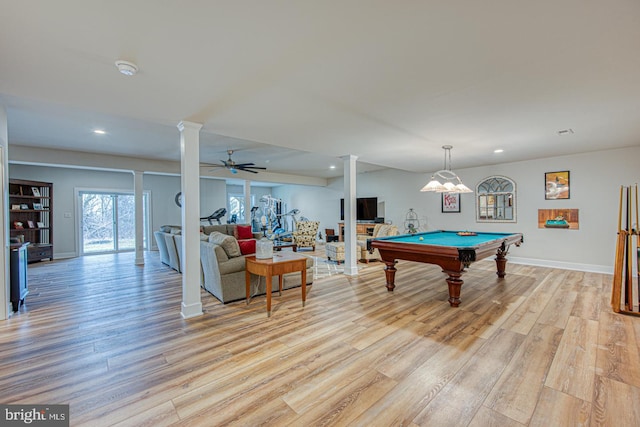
<point>64,255</point>
<point>591,268</point>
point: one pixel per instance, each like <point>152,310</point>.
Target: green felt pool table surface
<point>447,238</point>
<point>448,249</point>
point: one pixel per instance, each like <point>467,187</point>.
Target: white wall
<point>595,182</point>
<point>316,203</point>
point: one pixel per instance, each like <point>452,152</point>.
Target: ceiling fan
<point>234,167</point>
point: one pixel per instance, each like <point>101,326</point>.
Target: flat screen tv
<point>366,209</point>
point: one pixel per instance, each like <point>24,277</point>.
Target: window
<point>236,207</point>
<point>496,200</point>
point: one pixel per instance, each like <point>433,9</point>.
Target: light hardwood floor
<point>539,348</point>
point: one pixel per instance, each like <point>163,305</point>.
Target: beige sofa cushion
<point>228,243</point>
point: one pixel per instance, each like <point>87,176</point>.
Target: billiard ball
<point>421,238</point>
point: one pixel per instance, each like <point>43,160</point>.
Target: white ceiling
<point>293,85</point>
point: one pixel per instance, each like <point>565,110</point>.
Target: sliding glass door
<point>108,222</point>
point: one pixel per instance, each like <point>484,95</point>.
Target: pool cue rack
<point>626,252</point>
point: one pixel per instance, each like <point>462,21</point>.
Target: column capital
<point>189,125</point>
<point>349,157</point>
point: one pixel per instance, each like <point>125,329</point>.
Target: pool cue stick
<point>637,233</point>
<point>628,278</point>
<point>616,292</point>
<point>620,211</point>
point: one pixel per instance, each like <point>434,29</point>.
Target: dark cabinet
<point>18,276</point>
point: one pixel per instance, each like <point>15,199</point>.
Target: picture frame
<point>24,206</point>
<point>31,224</point>
<point>37,206</point>
<point>35,191</point>
<point>557,185</point>
<point>450,202</point>
<point>15,207</point>
<point>40,224</point>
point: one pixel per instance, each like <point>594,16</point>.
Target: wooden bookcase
<point>31,217</point>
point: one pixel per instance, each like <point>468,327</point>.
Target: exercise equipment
<point>215,216</point>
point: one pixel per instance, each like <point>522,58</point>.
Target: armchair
<point>305,234</point>
<point>380,230</point>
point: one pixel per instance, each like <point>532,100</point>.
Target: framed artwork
<point>40,224</point>
<point>31,224</point>
<point>24,206</point>
<point>559,218</point>
<point>37,206</point>
<point>450,202</point>
<point>35,191</point>
<point>15,207</point>
<point>556,185</point>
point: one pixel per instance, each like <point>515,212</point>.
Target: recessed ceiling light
<point>499,150</point>
<point>332,167</point>
<point>99,131</point>
<point>127,68</point>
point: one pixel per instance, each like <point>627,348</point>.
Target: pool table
<point>448,249</point>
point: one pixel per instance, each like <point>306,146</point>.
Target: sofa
<point>221,261</point>
<point>380,230</point>
<point>169,241</point>
<point>224,276</point>
<point>335,250</point>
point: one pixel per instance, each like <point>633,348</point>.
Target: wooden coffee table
<point>281,263</point>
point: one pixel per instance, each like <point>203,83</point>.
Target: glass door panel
<point>97,223</point>
<point>126,222</point>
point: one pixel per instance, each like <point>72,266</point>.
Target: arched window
<point>496,200</point>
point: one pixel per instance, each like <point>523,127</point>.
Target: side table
<point>279,264</point>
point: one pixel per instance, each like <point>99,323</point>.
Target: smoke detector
<point>127,68</point>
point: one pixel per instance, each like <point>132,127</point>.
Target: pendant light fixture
<point>451,183</point>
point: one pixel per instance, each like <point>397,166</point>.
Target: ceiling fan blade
<point>247,170</point>
<point>241,165</point>
<point>251,167</point>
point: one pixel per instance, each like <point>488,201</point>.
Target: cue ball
<point>421,238</point>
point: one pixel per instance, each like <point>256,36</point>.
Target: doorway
<point>107,222</point>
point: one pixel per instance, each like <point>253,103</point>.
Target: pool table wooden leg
<point>390,273</point>
<point>455,283</point>
<point>501,264</point>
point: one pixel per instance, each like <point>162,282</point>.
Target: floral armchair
<point>305,234</point>
<point>380,230</point>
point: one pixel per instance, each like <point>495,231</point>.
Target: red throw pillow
<point>244,232</point>
<point>247,246</point>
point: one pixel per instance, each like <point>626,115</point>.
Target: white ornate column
<point>190,186</point>
<point>139,220</point>
<point>350,239</point>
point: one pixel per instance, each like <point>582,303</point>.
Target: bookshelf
<point>30,217</point>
